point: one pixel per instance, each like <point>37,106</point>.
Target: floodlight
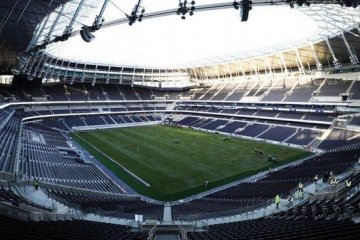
<point>15,71</point>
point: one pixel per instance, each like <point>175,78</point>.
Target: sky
<point>171,41</point>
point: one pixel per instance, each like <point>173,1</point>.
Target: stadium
<point>191,120</point>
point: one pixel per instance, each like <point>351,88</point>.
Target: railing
<point>248,208</point>
<point>167,228</point>
<point>13,186</point>
<point>18,149</point>
<point>152,233</point>
<point>253,178</point>
<point>183,233</point>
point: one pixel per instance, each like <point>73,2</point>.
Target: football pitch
<point>176,162</point>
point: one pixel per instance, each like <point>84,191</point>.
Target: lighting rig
<point>136,14</point>
<point>86,31</point>
<point>245,6</point>
<point>184,8</point>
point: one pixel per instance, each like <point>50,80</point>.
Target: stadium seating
<point>9,135</point>
<point>108,204</point>
<point>277,91</point>
<point>251,195</point>
<point>76,229</point>
<point>73,180</point>
<point>280,229</point>
<point>46,156</point>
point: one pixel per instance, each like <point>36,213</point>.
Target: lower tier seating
<point>280,229</point>
<point>65,230</point>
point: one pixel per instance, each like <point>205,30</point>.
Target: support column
<point>283,63</point>
<point>353,58</point>
<point>229,69</point>
<point>335,60</point>
<point>94,78</point>
<point>267,64</point>
<point>48,36</point>
<point>74,73</point>
<point>31,64</point>
<point>69,28</point>
<point>108,75</point>
<point>300,65</point>
<point>121,75</point>
<point>54,66</point>
<point>99,18</point>
<point>196,78</point>
<point>242,69</point>
<point>36,36</point>
<point>67,69</point>
<point>218,71</point>
<point>42,70</point>
<point>255,68</point>
<point>317,62</point>
<point>83,74</point>
<point>60,68</point>
<point>206,75</point>
<point>36,72</point>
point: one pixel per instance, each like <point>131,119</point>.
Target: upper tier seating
<point>303,93</point>
<point>334,87</point>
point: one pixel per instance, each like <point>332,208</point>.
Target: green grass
<point>175,171</point>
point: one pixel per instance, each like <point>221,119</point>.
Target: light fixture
<point>136,14</point>
<point>86,35</point>
<point>15,71</point>
<point>184,8</point>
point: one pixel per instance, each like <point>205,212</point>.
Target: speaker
<point>244,11</point>
<point>86,35</point>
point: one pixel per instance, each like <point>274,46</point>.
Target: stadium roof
<point>206,36</point>
<point>314,24</point>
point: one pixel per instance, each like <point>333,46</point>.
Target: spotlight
<point>184,9</point>
<point>23,59</point>
<point>236,5</point>
<point>86,35</point>
<point>136,14</point>
<point>15,71</point>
